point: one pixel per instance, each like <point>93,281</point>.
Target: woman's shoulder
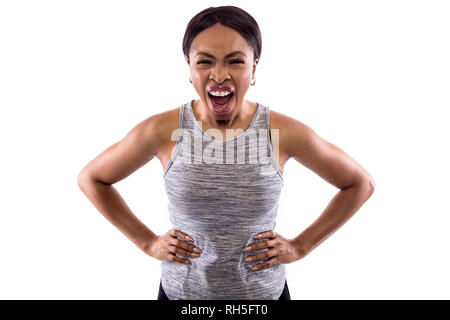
<point>164,123</point>
<point>280,120</point>
<point>293,133</point>
<point>156,130</point>
<point>166,119</point>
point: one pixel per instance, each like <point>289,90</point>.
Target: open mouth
<point>221,104</point>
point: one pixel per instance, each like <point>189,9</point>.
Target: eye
<point>232,61</point>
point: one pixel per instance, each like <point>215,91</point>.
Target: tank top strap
<point>272,138</point>
<point>186,117</point>
<point>260,120</point>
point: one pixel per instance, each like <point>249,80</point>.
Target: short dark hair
<point>229,16</point>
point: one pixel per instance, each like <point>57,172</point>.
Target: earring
<point>253,82</point>
<point>190,80</point>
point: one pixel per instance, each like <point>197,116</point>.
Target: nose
<point>219,74</point>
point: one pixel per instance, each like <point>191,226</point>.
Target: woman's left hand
<point>281,250</point>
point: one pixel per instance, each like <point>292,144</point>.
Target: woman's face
<point>214,69</point>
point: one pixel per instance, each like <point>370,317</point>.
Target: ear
<point>254,65</point>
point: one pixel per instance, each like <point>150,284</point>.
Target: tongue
<point>221,100</point>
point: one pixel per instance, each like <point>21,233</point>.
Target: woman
<point>223,158</point>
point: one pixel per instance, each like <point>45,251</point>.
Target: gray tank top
<point>222,194</point>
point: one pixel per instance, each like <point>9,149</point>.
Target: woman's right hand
<point>166,246</point>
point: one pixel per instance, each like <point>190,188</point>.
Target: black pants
<point>284,295</point>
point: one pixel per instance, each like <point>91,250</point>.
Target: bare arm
<point>300,142</point>
<point>336,167</point>
<point>117,162</point>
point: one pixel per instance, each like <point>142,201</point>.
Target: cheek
<point>195,76</point>
<point>198,76</point>
<point>246,77</point>
<point>197,80</point>
<point>244,80</point>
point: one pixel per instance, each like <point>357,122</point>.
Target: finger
<point>261,256</point>
<point>266,234</point>
<point>174,258</point>
<point>179,234</point>
<point>184,245</point>
<point>183,252</point>
<point>264,265</point>
<point>260,245</point>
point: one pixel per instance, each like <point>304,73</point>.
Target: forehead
<point>219,40</point>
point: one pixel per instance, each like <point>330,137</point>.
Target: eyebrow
<point>227,56</point>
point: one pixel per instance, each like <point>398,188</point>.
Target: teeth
<point>219,93</point>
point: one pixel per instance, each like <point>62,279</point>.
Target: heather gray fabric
<point>222,206</point>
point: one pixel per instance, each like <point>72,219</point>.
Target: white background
<point>371,77</point>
